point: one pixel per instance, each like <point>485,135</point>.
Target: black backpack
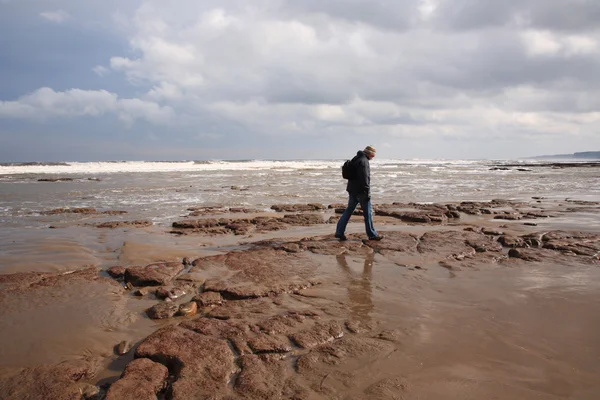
<point>349,169</point>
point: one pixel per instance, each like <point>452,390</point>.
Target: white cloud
<point>58,16</point>
<point>419,69</point>
<point>47,103</point>
<point>554,43</point>
<point>101,70</point>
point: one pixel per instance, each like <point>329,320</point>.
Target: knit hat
<point>370,150</point>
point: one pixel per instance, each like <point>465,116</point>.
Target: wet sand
<point>434,310</point>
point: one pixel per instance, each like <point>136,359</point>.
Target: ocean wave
<point>33,164</point>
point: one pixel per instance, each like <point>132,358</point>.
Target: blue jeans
<point>365,204</point>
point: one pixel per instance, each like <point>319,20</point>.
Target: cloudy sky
<point>282,79</point>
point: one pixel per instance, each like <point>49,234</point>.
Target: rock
<point>523,254</point>
<point>396,241</point>
<point>55,179</point>
<point>483,243</point>
<point>508,216</point>
<point>297,207</point>
<point>188,309</point>
<point>217,327</point>
<point>267,376</point>
<point>317,335</point>
<point>290,247</point>
<point>116,271</point>
<point>491,232</point>
<point>511,241</point>
<point>263,343</point>
<point>530,224</point>
<point>197,223</point>
<point>88,391</point>
<point>142,379</point>
<point>141,292</point>
<point>201,365</point>
<point>282,324</point>
<point>258,272</point>
<point>450,244</point>
<point>66,210</point>
<point>162,310</point>
<point>153,274</point>
<point>208,299</point>
<point>58,381</point>
<point>128,286</point>
<point>123,347</point>
<point>161,293</point>
<point>120,224</point>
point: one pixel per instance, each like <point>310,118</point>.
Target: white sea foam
<point>184,166</point>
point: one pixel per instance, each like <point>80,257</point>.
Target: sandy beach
<point>464,300</point>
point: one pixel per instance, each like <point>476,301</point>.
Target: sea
<point>162,191</point>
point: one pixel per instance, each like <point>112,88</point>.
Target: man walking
<point>359,191</point>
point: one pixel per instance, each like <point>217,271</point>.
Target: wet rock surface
<point>207,299</point>
<point>116,271</point>
<point>201,365</point>
<point>302,318</point>
<point>244,226</point>
<point>257,273</point>
<point>154,274</point>
<point>298,207</point>
<point>141,380</point>
<point>81,210</point>
<point>121,224</point>
<point>162,310</point>
<point>48,381</point>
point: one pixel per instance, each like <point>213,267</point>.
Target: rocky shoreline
<point>302,317</point>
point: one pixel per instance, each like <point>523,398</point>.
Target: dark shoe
<point>342,237</point>
<point>378,237</point>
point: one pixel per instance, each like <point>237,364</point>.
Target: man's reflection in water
<point>359,288</point>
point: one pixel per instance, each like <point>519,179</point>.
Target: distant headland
<point>586,155</point>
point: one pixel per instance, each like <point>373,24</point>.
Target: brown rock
<point>67,210</point>
<point>216,327</point>
<point>297,207</point>
<point>523,254</point>
<point>317,335</point>
<point>448,244</point>
<point>116,271</point>
<point>48,381</point>
<point>197,223</point>
<point>258,272</point>
<point>188,309</point>
<point>283,324</point>
<point>509,216</point>
<point>396,241</point>
<point>141,380</point>
<point>141,292</point>
<point>208,299</point>
<point>162,293</point>
<point>267,376</point>
<point>162,310</point>
<point>153,274</point>
<point>491,232</point>
<point>483,243</point>
<point>201,365</point>
<point>263,343</point>
<point>120,224</point>
<point>123,347</point>
<point>511,241</point>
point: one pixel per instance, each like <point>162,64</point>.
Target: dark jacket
<point>362,183</point>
